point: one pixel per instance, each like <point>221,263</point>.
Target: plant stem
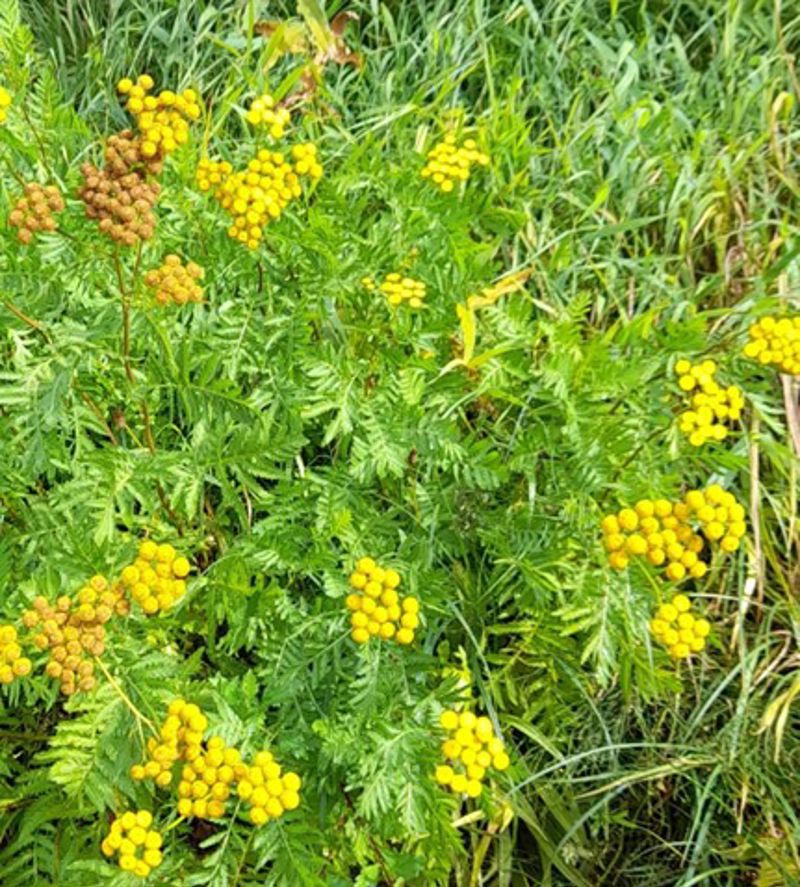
<point>98,412</point>
<point>33,324</point>
<point>126,319</point>
<point>141,719</point>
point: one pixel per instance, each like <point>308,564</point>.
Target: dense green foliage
<point>643,166</point>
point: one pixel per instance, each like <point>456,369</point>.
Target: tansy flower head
<point>775,341</point>
<point>12,663</point>
<point>175,282</point>
<point>399,290</point>
<point>711,405</point>
<point>33,212</point>
<point>673,535</point>
<point>138,845</point>
<point>377,610</point>
<point>267,791</point>
<point>163,120</point>
<point>157,578</point>
<point>471,750</point>
<point>258,195</point>
<point>73,630</point>
<point>448,163</point>
<point>207,780</point>
<point>678,629</point>
<point>262,112</point>
<point>180,738</point>
<point>119,196</point>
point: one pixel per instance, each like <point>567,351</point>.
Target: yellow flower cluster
<point>376,607</point>
<point>720,516</point>
<point>472,749</point>
<point>129,835</point>
<point>262,112</point>
<point>258,195</point>
<point>175,282</point>
<point>206,780</point>
<point>447,163</point>
<point>710,406</point>
<point>677,629</point>
<point>776,340</point>
<point>163,119</point>
<point>662,532</point>
<point>399,289</point>
<point>180,738</point>
<point>157,578</point>
<point>5,103</point>
<point>74,631</point>
<point>12,663</point>
<point>267,791</point>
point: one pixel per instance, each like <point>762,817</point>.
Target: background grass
<point>644,166</point>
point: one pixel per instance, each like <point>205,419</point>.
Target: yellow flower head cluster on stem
<point>719,515</point>
<point>399,290</point>
<point>12,663</point>
<point>157,578</point>
<point>262,112</point>
<point>267,791</point>
<point>180,738</point>
<point>776,341</point>
<point>678,629</point>
<point>711,405</point>
<point>376,607</point>
<point>5,103</point>
<point>471,749</point>
<point>447,163</point>
<point>258,195</point>
<point>672,534</point>
<point>138,845</point>
<point>175,282</point>
<point>206,780</point>
<point>74,630</point>
<point>163,119</point>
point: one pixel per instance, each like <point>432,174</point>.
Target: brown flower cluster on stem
<point>175,283</point>
<point>33,212</point>
<point>74,631</point>
<point>121,204</point>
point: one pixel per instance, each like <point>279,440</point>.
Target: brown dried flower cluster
<point>34,211</point>
<point>73,631</point>
<point>123,154</point>
<point>122,205</point>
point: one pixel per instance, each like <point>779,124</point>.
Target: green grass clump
<point>643,181</point>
